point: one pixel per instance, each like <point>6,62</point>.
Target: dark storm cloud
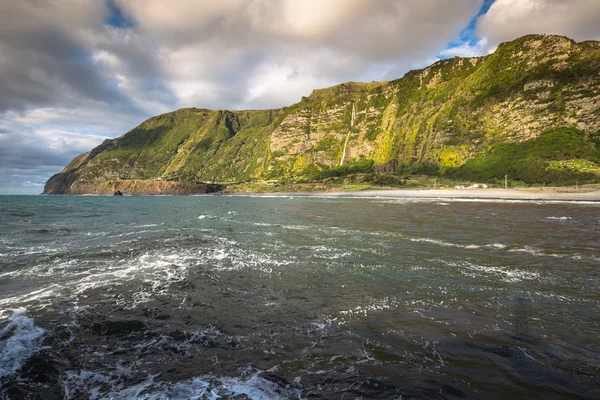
<point>51,55</point>
<point>42,63</point>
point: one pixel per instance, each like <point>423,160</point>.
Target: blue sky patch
<point>117,18</point>
<point>467,36</point>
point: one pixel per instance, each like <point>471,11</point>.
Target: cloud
<point>29,156</point>
<point>24,147</point>
<point>268,53</point>
<point>508,19</point>
<point>466,49</point>
<point>41,61</point>
<point>382,30</point>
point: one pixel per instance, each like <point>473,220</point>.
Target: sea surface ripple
<point>246,297</point>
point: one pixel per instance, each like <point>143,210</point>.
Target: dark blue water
<point>254,297</point>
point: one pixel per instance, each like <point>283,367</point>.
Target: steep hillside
<point>462,116</point>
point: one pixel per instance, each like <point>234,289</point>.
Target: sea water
<point>207,297</point>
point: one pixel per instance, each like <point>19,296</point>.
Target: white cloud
<point>268,53</point>
<point>33,184</point>
<point>279,82</point>
<point>466,49</point>
<point>509,19</point>
<point>58,139</point>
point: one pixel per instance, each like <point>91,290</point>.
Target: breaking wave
<point>19,340</point>
<point>100,386</point>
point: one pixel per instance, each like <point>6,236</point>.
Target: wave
<point>328,253</point>
<point>373,305</point>
<point>209,216</point>
<point>157,269</point>
<point>19,340</point>
<point>450,244</point>
<point>235,258</point>
<point>504,273</point>
<point>253,387</point>
<point>46,292</point>
<point>267,224</point>
<point>534,251</point>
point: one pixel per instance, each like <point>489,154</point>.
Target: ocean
<point>257,297</point>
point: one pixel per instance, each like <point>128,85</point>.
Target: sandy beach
<point>544,194</point>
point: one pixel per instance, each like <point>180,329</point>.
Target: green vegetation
<point>475,119</point>
<point>575,165</point>
<point>558,156</point>
<point>322,172</point>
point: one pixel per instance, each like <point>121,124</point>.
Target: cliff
<point>531,109</point>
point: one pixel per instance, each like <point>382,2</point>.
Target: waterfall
<point>348,135</point>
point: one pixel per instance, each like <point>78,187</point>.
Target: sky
<point>75,72</point>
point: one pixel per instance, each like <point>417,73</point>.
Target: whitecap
<point>329,253</point>
<point>34,295</point>
<point>253,387</point>
<point>506,274</point>
<point>19,340</point>
<point>450,244</point>
<point>537,252</point>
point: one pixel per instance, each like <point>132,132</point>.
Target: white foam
<point>235,258</point>
<point>206,387</point>
<point>373,305</point>
<point>156,268</point>
<point>329,253</point>
<point>19,340</point>
<point>506,274</point>
<point>450,244</point>
<point>537,252</point>
<point>209,216</point>
<point>35,295</point>
<point>96,233</point>
<point>559,218</point>
<point>296,227</point>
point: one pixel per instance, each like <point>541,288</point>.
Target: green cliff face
<point>475,118</point>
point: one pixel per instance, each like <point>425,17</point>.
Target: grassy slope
<point>532,161</point>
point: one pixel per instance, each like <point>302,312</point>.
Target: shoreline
<point>519,194</point>
<point>548,194</point>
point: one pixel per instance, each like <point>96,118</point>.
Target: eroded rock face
<point>440,116</point>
